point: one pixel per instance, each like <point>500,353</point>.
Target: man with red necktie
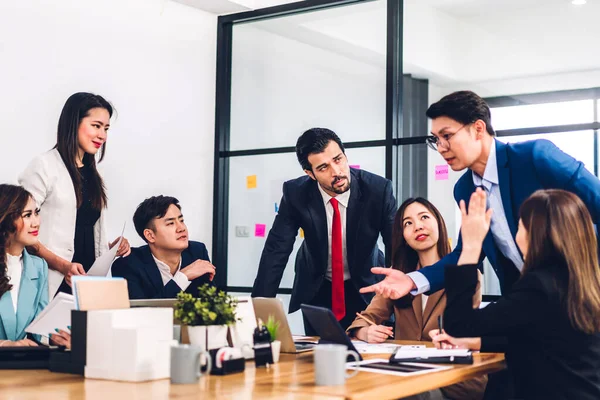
<point>342,212</point>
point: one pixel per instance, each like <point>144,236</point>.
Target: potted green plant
<point>272,326</point>
<point>207,316</point>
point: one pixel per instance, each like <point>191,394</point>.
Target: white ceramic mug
<point>330,364</point>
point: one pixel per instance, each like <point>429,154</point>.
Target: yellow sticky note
<point>450,242</point>
<point>251,182</point>
<point>301,232</point>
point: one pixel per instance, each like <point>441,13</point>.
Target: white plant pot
<point>208,337</point>
<point>276,349</point>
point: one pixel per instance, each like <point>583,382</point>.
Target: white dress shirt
<point>14,272</point>
<point>342,206</point>
<point>499,225</point>
<point>165,273</point>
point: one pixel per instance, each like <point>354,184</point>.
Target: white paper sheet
<point>374,348</point>
<point>56,315</point>
<point>430,352</point>
<point>102,265</point>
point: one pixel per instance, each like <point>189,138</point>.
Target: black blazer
<point>143,277</point>
<point>547,357</point>
<point>371,211</point>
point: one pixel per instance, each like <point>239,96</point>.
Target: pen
<point>366,319</point>
<point>440,324</point>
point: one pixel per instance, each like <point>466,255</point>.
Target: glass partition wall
<point>281,71</point>
<point>368,70</point>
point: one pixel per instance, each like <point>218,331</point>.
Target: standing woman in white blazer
<point>70,192</point>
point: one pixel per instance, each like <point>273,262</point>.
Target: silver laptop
<point>263,308</point>
<point>153,303</point>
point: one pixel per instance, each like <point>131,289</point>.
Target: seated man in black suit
<point>169,263</point>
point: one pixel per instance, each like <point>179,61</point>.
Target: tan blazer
<point>414,324</point>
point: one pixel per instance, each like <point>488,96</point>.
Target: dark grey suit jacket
<point>371,211</point>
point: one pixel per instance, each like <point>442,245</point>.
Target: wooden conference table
<point>291,378</point>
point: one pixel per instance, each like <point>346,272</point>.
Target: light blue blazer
<point>33,298</point>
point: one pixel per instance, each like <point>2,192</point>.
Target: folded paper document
<point>57,315</point>
<point>101,266</point>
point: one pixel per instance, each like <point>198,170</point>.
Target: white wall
<point>153,59</point>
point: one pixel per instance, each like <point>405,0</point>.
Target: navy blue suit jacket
<point>143,277</point>
<point>523,168</point>
<point>371,211</point>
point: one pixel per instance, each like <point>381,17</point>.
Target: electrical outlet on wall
<point>242,231</point>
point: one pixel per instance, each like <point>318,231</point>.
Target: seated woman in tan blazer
<point>419,239</point>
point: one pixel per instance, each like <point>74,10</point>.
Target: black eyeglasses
<point>443,141</point>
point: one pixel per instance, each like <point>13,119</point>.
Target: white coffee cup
<point>330,364</point>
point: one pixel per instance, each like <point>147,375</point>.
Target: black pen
<point>440,324</point>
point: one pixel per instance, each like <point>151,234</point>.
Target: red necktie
<point>338,305</point>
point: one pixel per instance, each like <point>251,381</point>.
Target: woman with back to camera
<point>551,317</point>
<point>67,186</point>
<point>419,238</point>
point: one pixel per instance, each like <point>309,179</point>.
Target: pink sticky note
<point>441,172</point>
<point>259,230</point>
<point>356,166</point>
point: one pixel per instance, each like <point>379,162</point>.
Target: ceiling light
<point>578,2</point>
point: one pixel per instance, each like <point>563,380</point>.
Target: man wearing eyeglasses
<point>462,133</point>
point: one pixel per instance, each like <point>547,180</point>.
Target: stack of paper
<point>56,315</point>
<point>374,348</point>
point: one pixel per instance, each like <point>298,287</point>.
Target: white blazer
<point>48,180</point>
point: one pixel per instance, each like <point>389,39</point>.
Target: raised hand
<point>474,227</point>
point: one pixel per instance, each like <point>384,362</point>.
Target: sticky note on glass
<point>259,230</point>
<point>301,232</point>
<point>276,208</point>
<point>441,172</point>
<point>251,182</point>
<point>355,166</point>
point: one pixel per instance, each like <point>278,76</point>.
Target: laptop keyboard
<point>304,345</point>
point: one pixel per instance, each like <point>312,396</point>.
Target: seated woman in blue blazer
<point>551,317</point>
<point>23,277</point>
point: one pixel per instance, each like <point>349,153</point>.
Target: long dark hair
<point>75,109</point>
<point>13,200</point>
<point>404,257</point>
<point>572,255</point>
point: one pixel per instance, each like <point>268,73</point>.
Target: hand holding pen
<point>374,333</point>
